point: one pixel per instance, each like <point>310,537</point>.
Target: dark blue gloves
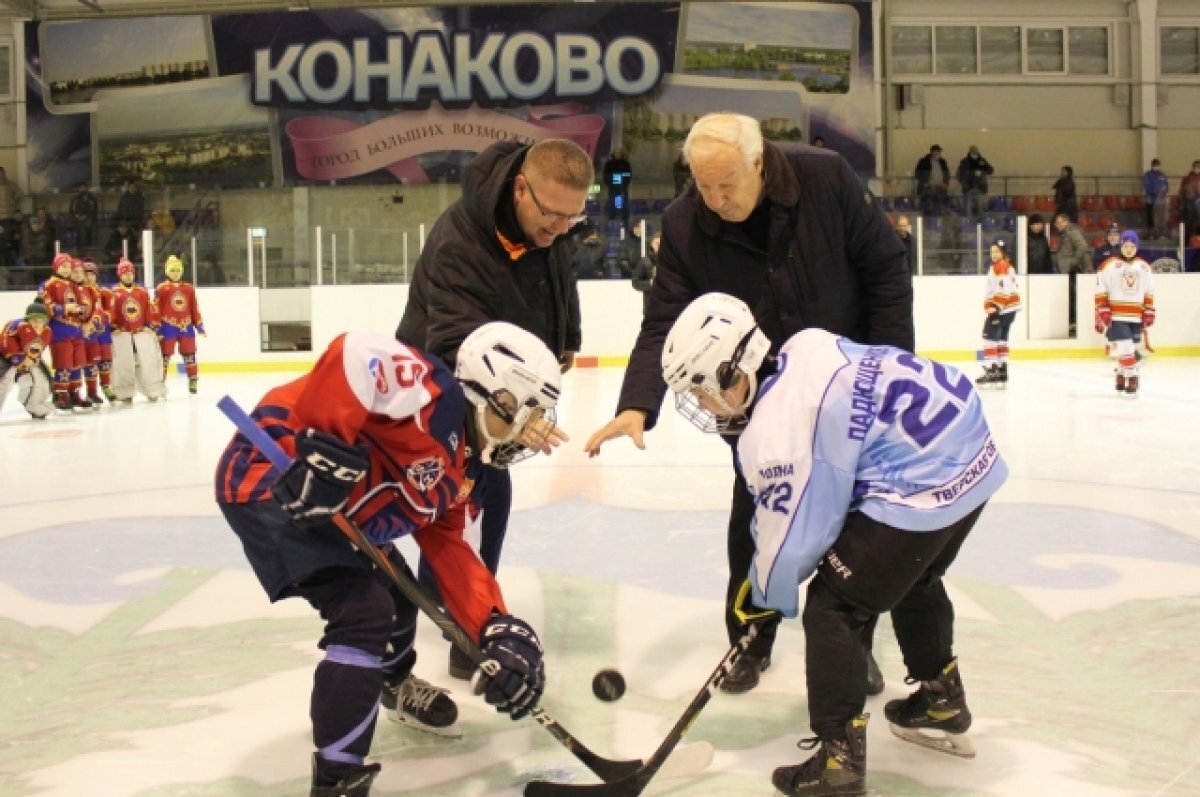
<point>318,482</point>
<point>514,675</point>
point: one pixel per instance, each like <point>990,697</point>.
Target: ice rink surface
<point>139,658</point>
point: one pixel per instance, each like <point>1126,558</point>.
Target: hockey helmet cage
<point>90,267</point>
<point>509,372</point>
<point>60,260</point>
<point>125,266</point>
<point>714,338</point>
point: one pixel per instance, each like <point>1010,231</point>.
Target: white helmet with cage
<point>510,372</point>
<point>714,339</point>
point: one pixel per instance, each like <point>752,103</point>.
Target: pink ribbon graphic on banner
<point>330,148</point>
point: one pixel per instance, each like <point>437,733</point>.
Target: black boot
<point>342,780</point>
<point>874,676</point>
<point>837,769</point>
<point>744,675</point>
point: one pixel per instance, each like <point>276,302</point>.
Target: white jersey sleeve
<point>843,427</point>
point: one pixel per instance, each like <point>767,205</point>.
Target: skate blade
<point>453,731</point>
<point>956,744</point>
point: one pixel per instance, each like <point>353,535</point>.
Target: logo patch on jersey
<point>453,441</point>
<point>425,473</point>
<point>375,366</point>
<point>1131,279</point>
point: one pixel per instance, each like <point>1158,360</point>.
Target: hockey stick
<point>633,784</point>
<point>606,769</point>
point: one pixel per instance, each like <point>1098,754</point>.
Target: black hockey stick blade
<point>605,768</point>
<point>634,784</point>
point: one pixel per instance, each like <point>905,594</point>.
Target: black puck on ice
<point>608,685</point>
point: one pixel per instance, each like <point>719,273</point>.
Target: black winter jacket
<point>834,262</point>
<point>464,278</point>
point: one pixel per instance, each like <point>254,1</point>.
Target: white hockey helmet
<point>714,338</point>
<point>510,372</point>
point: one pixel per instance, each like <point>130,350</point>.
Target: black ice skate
<point>354,782</point>
<point>935,716</point>
<point>990,377</point>
<point>78,402</point>
<point>874,676</point>
<point>1131,386</point>
<point>421,705</point>
<point>1002,375</point>
<point>1120,383</point>
<point>744,675</point>
<point>837,769</point>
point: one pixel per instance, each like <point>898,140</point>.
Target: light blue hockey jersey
<point>843,427</point>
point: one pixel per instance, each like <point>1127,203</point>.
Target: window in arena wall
<point>974,50</point>
<point>955,50</point>
<point>912,50</point>
<point>1000,50</point>
<point>1088,51</point>
<point>1045,51</point>
<point>1180,50</point>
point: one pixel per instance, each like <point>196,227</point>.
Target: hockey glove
<point>1148,317</point>
<point>318,482</point>
<point>747,613</point>
<point>513,677</point>
<point>991,308</point>
<point>1103,319</point>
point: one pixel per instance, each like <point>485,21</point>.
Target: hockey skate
<point>193,385</point>
<point>78,402</point>
<point>837,769</point>
<point>353,783</point>
<point>95,400</point>
<point>62,402</point>
<point>874,676</point>
<point>744,675</point>
<point>1131,386</point>
<point>990,377</point>
<point>421,705</point>
<point>935,716</point>
<point>1002,376</point>
<point>1120,383</point>
<point>109,394</point>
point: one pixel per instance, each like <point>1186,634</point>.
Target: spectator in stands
<point>950,245</point>
<point>131,207</point>
<point>1074,258</point>
<point>1110,248</point>
<point>933,181</point>
<point>10,196</point>
<point>1037,247</point>
<point>122,242</point>
<point>10,243</point>
<point>84,210</point>
<point>819,142</point>
<point>973,173</point>
<point>904,230</point>
<point>1065,200</point>
<point>1189,202</point>
<point>1158,199</point>
<point>588,260</point>
<point>37,239</point>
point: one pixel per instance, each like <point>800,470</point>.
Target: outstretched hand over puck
<point>608,685</point>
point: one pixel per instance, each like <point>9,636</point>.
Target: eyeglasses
<point>570,218</point>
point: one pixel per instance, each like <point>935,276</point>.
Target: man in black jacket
<point>501,252</point>
<point>794,234</point>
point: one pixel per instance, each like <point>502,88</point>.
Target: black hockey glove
<point>318,482</point>
<point>514,676</point>
<point>747,613</point>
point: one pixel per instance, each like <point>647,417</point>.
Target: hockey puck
<point>608,685</point>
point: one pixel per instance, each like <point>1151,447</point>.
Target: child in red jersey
<point>22,343</point>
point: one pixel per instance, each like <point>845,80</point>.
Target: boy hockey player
<point>1001,303</point>
<point>1124,307</point>
<point>385,433</point>
<point>181,321</point>
<point>62,299</point>
<point>98,347</point>
<point>137,359</point>
<point>869,465</point>
<point>22,343</point>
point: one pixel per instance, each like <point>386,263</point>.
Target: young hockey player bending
<point>1124,307</point>
<point>870,466</point>
<point>22,343</point>
<point>385,433</point>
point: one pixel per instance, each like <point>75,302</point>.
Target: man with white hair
<point>791,231</point>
